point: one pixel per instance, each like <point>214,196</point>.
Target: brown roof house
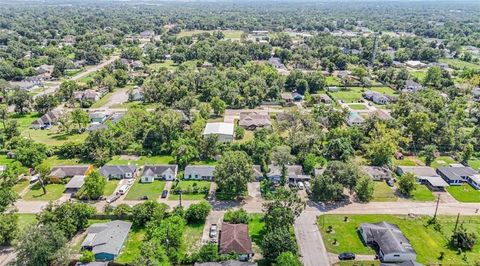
<point>47,120</point>
<point>61,172</point>
<point>254,120</point>
<point>234,238</point>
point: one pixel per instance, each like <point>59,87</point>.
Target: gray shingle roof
<point>456,173</point>
<point>201,170</point>
<point>69,170</point>
<point>107,170</point>
<point>76,182</point>
<point>387,236</point>
<point>107,237</point>
<point>150,170</point>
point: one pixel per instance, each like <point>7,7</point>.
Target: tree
<point>282,157</point>
<point>148,211</point>
<point>21,99</point>
<point>80,117</point>
<point>40,245</point>
<point>236,217</point>
<point>467,153</point>
<point>152,253</point>
<point>429,152</point>
<point>383,145</point>
<point>287,259</point>
<point>87,256</point>
<point>197,213</point>
<point>339,149</point>
<point>462,239</point>
<point>43,170</point>
<point>45,103</point>
<point>122,210</point>
<point>94,185</point>
<point>239,132</point>
<point>67,88</point>
<point>207,253</point>
<point>406,184</point>
<point>365,189</point>
<point>184,152</point>
<point>29,153</point>
<point>218,106</point>
<point>8,228</point>
<point>309,163</point>
<point>325,188</point>
<point>169,234</point>
<point>204,109</point>
<point>278,241</point>
<point>233,172</point>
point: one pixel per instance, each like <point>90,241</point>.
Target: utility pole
<point>456,223</point>
<point>436,208</point>
<point>180,197</point>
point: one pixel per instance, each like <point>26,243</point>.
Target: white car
<point>130,182</point>
<point>213,231</point>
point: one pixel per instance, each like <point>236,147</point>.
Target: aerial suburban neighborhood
<point>239,133</point>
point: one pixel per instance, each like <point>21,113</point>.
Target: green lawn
<point>170,65</point>
<point>131,250</point>
<point>422,193</point>
<point>474,163</point>
<point>21,185</point>
<point>4,160</point>
<point>248,136</point>
<point>26,219</point>
<point>440,161</point>
<point>151,190</point>
<point>464,193</point>
<point>143,160</point>
<point>458,64</point>
<point>357,106</point>
<point>384,90</point>
<point>24,121</point>
<point>187,185</point>
<point>332,81</point>
<point>193,237</point>
<point>350,95</point>
<point>104,100</point>
<point>418,74</point>
<point>87,78</point>
<point>383,192</point>
<point>54,160</point>
<point>54,192</point>
<point>427,242</point>
<point>255,230</point>
<point>52,137</point>
<point>110,187</point>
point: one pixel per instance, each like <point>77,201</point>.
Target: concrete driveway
<point>215,217</point>
<point>310,242</point>
<point>254,190</point>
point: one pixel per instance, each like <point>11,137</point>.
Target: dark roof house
<point>234,238</point>
<point>70,171</point>
<point>253,120</point>
<point>118,171</point>
<point>456,175</point>
<point>106,240</point>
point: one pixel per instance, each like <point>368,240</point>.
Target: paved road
<point>312,248</point>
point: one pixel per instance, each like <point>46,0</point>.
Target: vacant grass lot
<point>104,100</point>
<point>383,192</point>
<point>186,185</point>
<point>170,65</point>
<point>131,249</point>
<point>26,219</point>
<point>143,160</point>
<point>422,193</point>
<point>21,185</point>
<point>54,192</point>
<point>464,193</point>
<point>458,64</point>
<point>332,81</point>
<point>474,163</point>
<point>192,237</point>
<point>52,137</point>
<point>418,74</point>
<point>255,230</point>
<point>384,90</point>
<point>357,106</point>
<point>248,136</point>
<point>440,161</point>
<point>350,95</point>
<point>427,242</point>
<point>151,190</point>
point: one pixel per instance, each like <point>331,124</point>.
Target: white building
<point>199,172</point>
<point>224,131</point>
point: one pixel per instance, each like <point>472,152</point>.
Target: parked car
<point>390,182</point>
<point>213,231</point>
<point>164,193</point>
<point>130,182</point>
<point>123,189</point>
<point>346,256</point>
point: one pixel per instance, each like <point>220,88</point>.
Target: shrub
<point>197,213</point>
<point>236,217</point>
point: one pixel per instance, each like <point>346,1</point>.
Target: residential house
<point>136,65</point>
<point>166,172</point>
<point>381,114</point>
<point>376,97</point>
<point>106,240</point>
<point>234,238</point>
<point>287,97</point>
<point>457,175</point>
<point>75,183</point>
<point>118,171</point>
<point>415,64</point>
<point>115,117</point>
<point>354,119</point>
<point>297,96</point>
<point>96,126</point>
<point>424,175</point>
<point>147,34</point>
<point>254,120</point>
<point>136,95</point>
<point>476,94</point>
<point>277,63</point>
<point>325,99</point>
<point>199,172</point>
<point>86,95</point>
<point>47,120</point>
<point>378,173</point>
<point>294,173</point>
<point>412,86</point>
<point>28,84</point>
<point>388,240</point>
<point>398,155</point>
<point>98,117</point>
<point>224,131</point>
<point>44,69</point>
<point>63,171</point>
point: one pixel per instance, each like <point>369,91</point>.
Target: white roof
<point>219,128</point>
<point>436,181</point>
<point>475,178</point>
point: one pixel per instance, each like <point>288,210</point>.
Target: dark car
<point>164,194</point>
<point>346,256</point>
<point>391,182</point>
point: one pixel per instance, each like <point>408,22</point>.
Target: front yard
<point>192,190</point>
<point>54,192</point>
<point>142,160</point>
<point>151,190</point>
<point>422,193</point>
<point>383,192</point>
<point>427,242</point>
<point>464,193</point>
<point>110,187</point>
<point>349,95</point>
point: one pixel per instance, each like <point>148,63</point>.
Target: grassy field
<point>350,95</point>
<point>54,192</point>
<point>440,161</point>
<point>54,160</point>
<point>383,192</point>
<point>187,185</point>
<point>151,190</point>
<point>4,160</point>
<point>143,160</point>
<point>357,106</point>
<point>418,74</point>
<point>458,64</point>
<point>474,163</point>
<point>255,230</point>
<point>52,137</point>
<point>20,186</point>
<point>464,193</point>
<point>384,90</point>
<point>110,187</point>
<point>422,193</point>
<point>26,219</point>
<point>408,161</point>
<point>427,242</point>
<point>332,81</point>
<point>193,237</point>
<point>131,250</point>
<point>104,100</point>
<point>170,65</point>
<point>229,34</point>
<point>24,121</point>
<point>248,136</point>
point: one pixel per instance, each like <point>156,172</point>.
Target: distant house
<point>376,97</point>
<point>199,172</point>
<point>147,34</point>
<point>87,95</point>
<point>115,117</point>
<point>381,114</point>
<point>118,171</point>
<point>162,171</point>
<point>294,173</point>
<point>47,120</point>
<point>392,245</point>
<point>399,156</point>
<point>106,240</point>
<point>98,117</point>
<point>61,172</point>
<point>75,183</point>
<point>136,65</point>
<point>234,238</point>
<point>136,95</point>
<point>224,131</point>
<point>325,99</point>
<point>28,84</point>
<point>415,64</point>
<point>254,120</point>
<point>424,175</point>
<point>412,86</point>
<point>277,63</point>
<point>287,97</point>
<point>354,119</point>
<point>297,96</point>
<point>44,69</point>
<point>378,173</point>
<point>457,175</point>
<point>96,126</point>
